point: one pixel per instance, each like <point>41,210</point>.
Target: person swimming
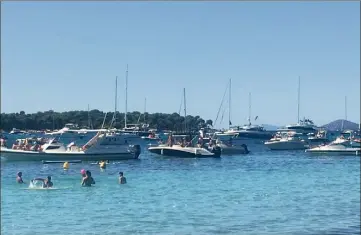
<point>122,179</point>
<point>87,180</point>
<point>46,182</point>
<point>19,178</point>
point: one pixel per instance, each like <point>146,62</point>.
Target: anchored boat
<point>103,145</point>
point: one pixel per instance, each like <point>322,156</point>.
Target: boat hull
<point>182,153</point>
<point>286,145</point>
<point>343,152</point>
<point>37,156</point>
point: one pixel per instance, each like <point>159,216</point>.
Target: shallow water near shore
<point>262,193</point>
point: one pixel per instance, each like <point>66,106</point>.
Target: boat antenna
<point>298,103</point>
<point>126,98</point>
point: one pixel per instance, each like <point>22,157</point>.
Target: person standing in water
<point>103,165</point>
<point>122,179</point>
<point>46,182</point>
<point>19,178</point>
<point>87,180</point>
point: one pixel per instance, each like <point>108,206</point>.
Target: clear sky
<point>65,55</point>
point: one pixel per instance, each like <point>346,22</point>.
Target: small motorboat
<point>229,149</point>
<point>286,141</point>
<point>337,147</point>
<point>186,152</point>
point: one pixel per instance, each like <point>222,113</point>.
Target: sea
<point>261,193</point>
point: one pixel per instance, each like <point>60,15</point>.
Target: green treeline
<point>94,119</point>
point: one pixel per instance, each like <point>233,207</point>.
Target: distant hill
<point>337,125</point>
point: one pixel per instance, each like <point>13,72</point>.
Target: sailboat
<point>181,147</point>
<point>249,135</point>
<point>132,128</point>
<point>293,137</point>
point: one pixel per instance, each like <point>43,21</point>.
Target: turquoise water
<point>262,193</point>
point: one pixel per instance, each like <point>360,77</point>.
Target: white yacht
<point>338,147</point>
<point>15,131</point>
<point>103,146</point>
<point>304,126</point>
<point>287,141</point>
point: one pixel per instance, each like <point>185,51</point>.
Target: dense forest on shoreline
<point>94,119</point>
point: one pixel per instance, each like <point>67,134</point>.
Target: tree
<point>51,119</point>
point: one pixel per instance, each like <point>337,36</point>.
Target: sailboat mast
<point>345,107</point>
<point>115,101</point>
<point>185,110</point>
<point>88,117</point>
<point>145,107</point>
<point>298,102</point>
<point>249,108</point>
<point>126,98</point>
<point>229,103</point>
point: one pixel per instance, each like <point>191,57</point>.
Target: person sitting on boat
<point>3,143</point>
<point>19,178</point>
<point>200,142</point>
<point>122,179</point>
<point>87,180</point>
<point>35,147</point>
<point>46,182</point>
<point>170,140</point>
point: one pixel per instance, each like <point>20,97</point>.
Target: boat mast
<point>115,103</point>
<point>126,98</point>
<point>89,117</point>
<point>346,108</point>
<point>343,120</point>
<point>185,110</point>
<point>298,103</point>
<point>145,108</point>
<point>229,104</point>
<point>249,108</point>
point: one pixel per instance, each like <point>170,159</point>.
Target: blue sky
<point>65,55</point>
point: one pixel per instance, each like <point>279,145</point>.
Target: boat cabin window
<point>52,147</point>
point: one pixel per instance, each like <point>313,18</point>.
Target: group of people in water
<point>87,179</point>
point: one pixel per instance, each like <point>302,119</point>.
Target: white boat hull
<point>286,145</point>
<point>334,150</point>
<point>184,152</point>
<point>20,155</point>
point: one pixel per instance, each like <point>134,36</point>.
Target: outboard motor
<point>246,151</point>
<point>217,151</point>
<point>136,150</point>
